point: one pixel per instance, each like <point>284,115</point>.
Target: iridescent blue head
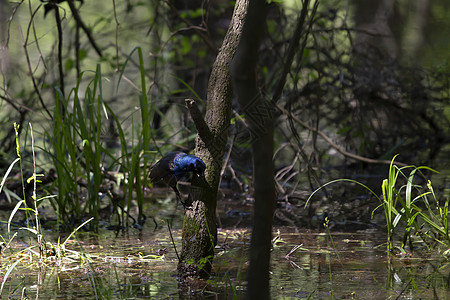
<point>184,163</point>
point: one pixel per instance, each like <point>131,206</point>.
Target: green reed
<point>76,150</point>
<point>29,205</point>
<point>403,201</point>
<point>81,159</point>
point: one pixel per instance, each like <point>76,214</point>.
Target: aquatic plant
<point>84,161</point>
<point>46,251</point>
<point>402,202</point>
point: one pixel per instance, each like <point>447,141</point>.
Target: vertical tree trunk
<point>259,115</point>
<point>199,228</point>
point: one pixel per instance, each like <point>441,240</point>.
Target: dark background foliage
<point>372,78</point>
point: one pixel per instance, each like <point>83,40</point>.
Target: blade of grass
<point>7,173</point>
<point>10,269</point>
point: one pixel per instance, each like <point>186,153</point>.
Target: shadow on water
<point>306,264</point>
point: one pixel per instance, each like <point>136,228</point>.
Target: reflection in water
<point>143,264</point>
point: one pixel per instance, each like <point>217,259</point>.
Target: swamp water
<point>305,265</point>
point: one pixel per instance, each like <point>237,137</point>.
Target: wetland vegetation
<point>94,93</point>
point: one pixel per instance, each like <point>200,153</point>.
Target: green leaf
<point>344,130</point>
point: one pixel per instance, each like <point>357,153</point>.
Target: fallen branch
<point>334,145</point>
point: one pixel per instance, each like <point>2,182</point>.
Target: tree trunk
<point>259,115</point>
<point>199,228</point>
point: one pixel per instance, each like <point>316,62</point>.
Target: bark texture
<point>199,228</point>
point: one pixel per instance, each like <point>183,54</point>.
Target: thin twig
<point>30,70</point>
<point>34,197</point>
<point>227,158</point>
<point>334,145</point>
<point>292,50</point>
<point>197,29</point>
<point>60,46</point>
<point>173,242</point>
<point>116,36</point>
<point>80,22</point>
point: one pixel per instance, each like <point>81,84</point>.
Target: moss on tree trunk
<point>199,228</point>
